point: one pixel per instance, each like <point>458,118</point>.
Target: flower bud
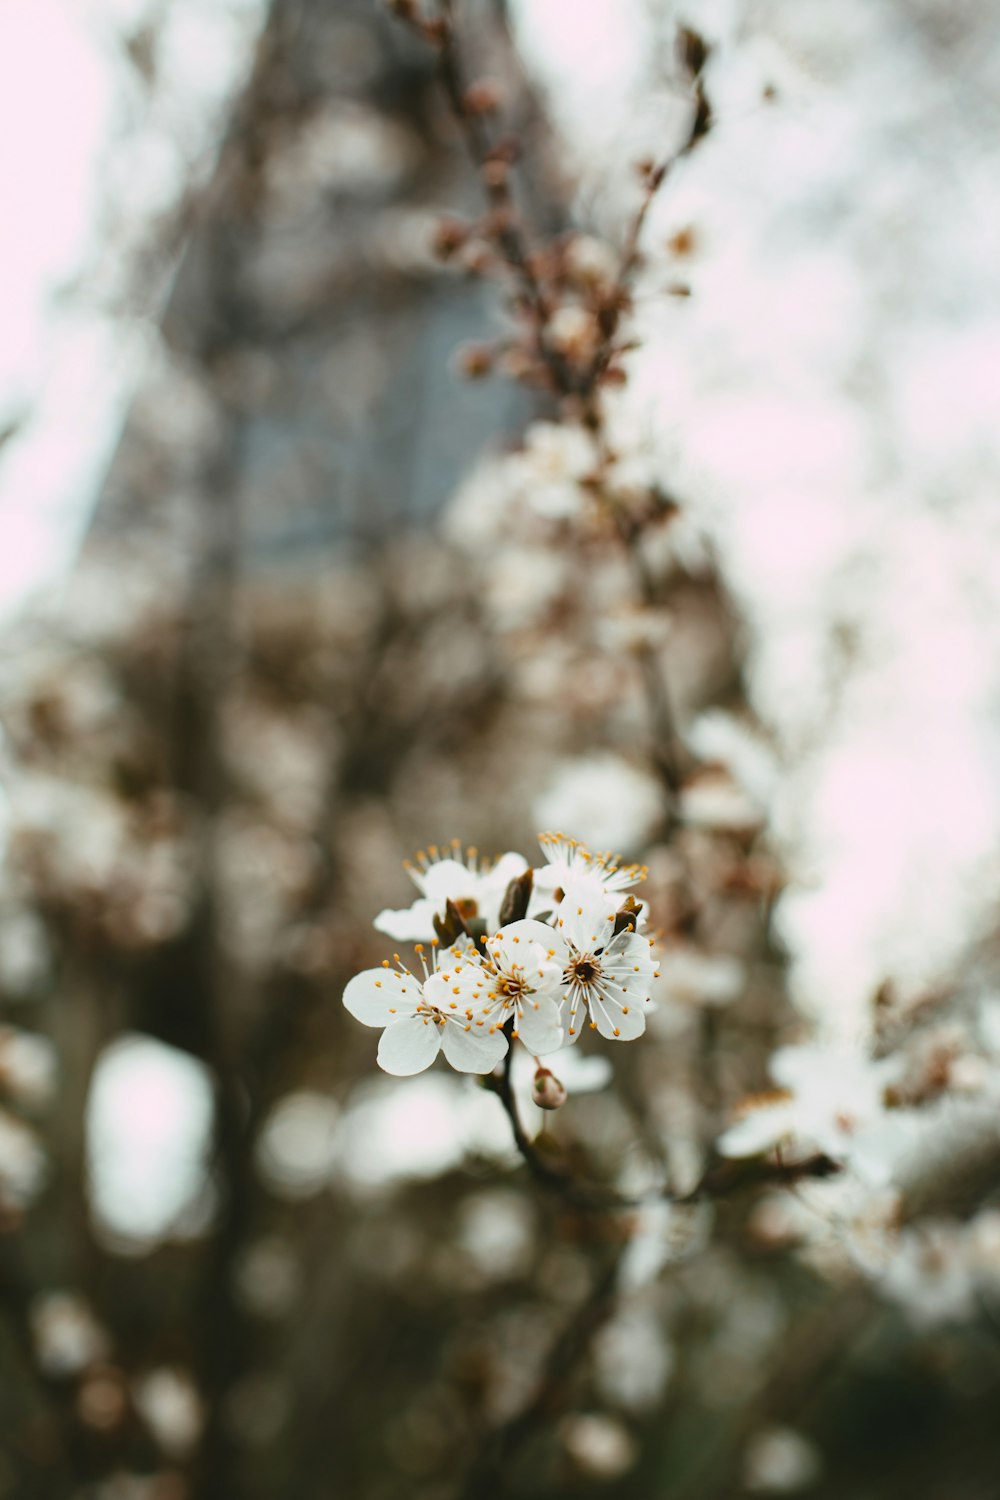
<point>449,236</point>
<point>482,98</point>
<point>476,361</point>
<point>547,1091</point>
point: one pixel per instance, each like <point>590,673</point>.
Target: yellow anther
<point>617,1032</point>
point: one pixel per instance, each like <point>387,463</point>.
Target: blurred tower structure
<point>307,371</point>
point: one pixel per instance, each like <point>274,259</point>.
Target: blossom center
<point>510,986</point>
<point>583,970</point>
<point>430,1012</point>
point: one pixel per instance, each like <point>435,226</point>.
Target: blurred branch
<point>486,1476</point>
<point>722,1178</point>
<point>577,384</point>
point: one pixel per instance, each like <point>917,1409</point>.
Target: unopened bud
<point>476,361</point>
<point>574,331</point>
<point>483,97</point>
<point>692,50</point>
<point>627,916</point>
<point>516,898</point>
<point>683,241</point>
<point>547,1091</point>
<point>477,259</point>
<point>496,172</point>
<point>449,236</point>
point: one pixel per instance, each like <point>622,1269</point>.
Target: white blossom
<point>930,1274</point>
<point>28,1067</point>
<point>602,799</point>
<point>556,458</point>
<point>605,976</point>
<point>825,1098</point>
<point>570,863</point>
<point>476,886</point>
<point>23,1164</point>
<point>524,977</point>
<point>442,1012</point>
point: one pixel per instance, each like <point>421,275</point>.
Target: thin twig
<point>485,1477</point>
<point>721,1178</point>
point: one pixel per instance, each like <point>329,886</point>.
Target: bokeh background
<point>286,597</point>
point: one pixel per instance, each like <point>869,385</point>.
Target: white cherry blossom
<point>444,1011</point>
<point>605,976</point>
<point>825,1099</point>
<point>570,863</point>
<point>524,976</point>
<point>475,885</point>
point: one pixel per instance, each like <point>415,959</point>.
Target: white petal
<point>409,924</point>
<point>628,963</point>
<point>539,1027</point>
<point>449,880</point>
<point>620,1022</point>
<point>584,919</point>
<point>758,1131</point>
<point>378,996</point>
<point>460,986</point>
<point>475,1051</point>
<point>573,1022</point>
<point>507,868</point>
<point>409,1046</point>
<point>512,940</point>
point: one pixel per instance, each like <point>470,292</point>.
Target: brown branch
<point>722,1177</point>
<point>485,1477</point>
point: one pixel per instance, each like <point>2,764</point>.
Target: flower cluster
<point>535,954</point>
